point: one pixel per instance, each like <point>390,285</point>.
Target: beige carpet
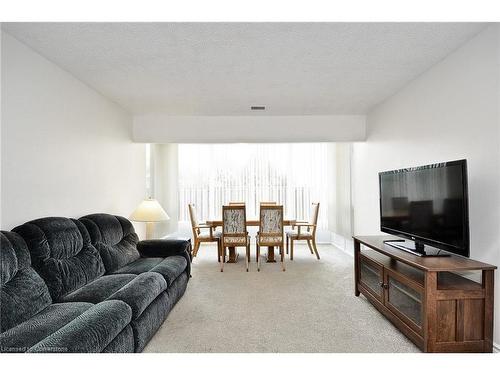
<point>309,308</point>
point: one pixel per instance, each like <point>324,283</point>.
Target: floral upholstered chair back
<point>194,220</point>
<point>271,225</point>
<point>234,225</point>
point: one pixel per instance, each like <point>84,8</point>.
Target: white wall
<point>220,129</point>
<point>166,177</point>
<point>65,149</point>
<point>450,112</point>
<point>1,84</point>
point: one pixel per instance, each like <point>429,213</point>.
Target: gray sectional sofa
<point>86,285</point>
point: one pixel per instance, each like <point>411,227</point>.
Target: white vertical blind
<point>294,175</point>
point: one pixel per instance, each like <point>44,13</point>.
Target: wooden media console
<point>428,298</point>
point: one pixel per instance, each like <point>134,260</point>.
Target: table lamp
<point>149,212</point>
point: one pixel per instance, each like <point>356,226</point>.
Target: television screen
<point>427,204</point>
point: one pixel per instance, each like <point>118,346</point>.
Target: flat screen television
<point>427,205</point>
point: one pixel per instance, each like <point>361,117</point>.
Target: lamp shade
<point>149,211</point>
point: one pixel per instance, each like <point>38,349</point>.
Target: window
<point>294,175</point>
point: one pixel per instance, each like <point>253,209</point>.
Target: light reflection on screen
<point>427,203</point>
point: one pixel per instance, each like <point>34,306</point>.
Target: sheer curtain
<point>294,175</point>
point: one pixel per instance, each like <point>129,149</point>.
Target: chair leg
<point>258,258</point>
<point>315,248</point>
<point>223,258</point>
<point>287,244</point>
<point>219,251</point>
<point>310,246</point>
<point>196,247</point>
<point>291,248</point>
<point>282,258</point>
<point>247,256</point>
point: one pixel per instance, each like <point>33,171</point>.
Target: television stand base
<point>428,299</point>
<point>407,246</point>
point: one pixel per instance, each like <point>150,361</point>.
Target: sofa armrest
<point>90,332</point>
<point>164,248</point>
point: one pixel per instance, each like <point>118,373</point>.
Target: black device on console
<point>426,205</point>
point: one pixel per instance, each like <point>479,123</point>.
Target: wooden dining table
<point>233,255</point>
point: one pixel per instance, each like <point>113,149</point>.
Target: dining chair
<point>270,231</point>
<point>199,236</point>
<point>267,203</point>
<point>236,203</point>
<point>234,231</point>
<point>306,230</point>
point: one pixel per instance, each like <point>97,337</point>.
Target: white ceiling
<point>224,68</point>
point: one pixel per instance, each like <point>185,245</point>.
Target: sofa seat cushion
<point>140,292</point>
<point>170,268</point>
<point>139,266</point>
<point>49,320</point>
<point>136,291</point>
<point>99,289</point>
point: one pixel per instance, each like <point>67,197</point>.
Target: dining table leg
<point>233,255</point>
<point>270,255</point>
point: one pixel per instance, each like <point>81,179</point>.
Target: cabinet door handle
<point>382,285</point>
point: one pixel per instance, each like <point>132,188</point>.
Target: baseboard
<point>345,251</point>
<point>496,348</point>
<point>342,243</point>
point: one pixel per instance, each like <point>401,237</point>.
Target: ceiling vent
<point>258,108</point>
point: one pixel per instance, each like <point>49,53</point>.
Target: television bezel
<point>461,251</point>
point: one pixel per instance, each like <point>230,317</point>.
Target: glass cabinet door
<point>371,277</point>
<point>405,299</point>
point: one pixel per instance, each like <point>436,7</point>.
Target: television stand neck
<point>416,248</point>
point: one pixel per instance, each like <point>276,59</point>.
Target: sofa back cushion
<point>22,291</point>
<point>114,237</point>
<point>61,252</point>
